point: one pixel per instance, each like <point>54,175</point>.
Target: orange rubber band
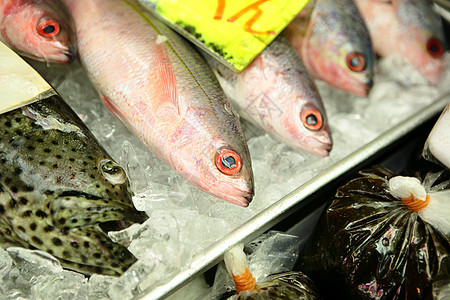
<point>245,281</point>
<point>416,204</point>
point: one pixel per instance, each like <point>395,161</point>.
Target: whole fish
<point>39,29</point>
<point>158,86</point>
<point>59,189</point>
<point>276,93</point>
<point>334,43</point>
<point>409,28</point>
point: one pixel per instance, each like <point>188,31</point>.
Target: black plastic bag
<point>369,245</point>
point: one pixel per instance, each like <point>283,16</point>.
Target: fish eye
<point>112,172</point>
<point>48,28</point>
<point>228,161</point>
<point>356,62</point>
<point>311,118</point>
<point>434,48</point>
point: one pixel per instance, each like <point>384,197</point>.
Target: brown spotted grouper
<point>60,191</point>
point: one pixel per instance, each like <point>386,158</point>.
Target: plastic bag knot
<point>415,204</point>
<point>244,281</point>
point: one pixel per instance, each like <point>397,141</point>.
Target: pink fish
<point>276,93</point>
<point>409,28</point>
<point>334,43</point>
<point>162,89</point>
<point>39,29</point>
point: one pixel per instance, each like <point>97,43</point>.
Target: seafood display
<point>276,94</point>
<point>157,85</point>
<point>156,107</point>
<point>332,40</point>
<point>39,29</point>
<point>410,29</point>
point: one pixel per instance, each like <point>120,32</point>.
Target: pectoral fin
<point>77,211</point>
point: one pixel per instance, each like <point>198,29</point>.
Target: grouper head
<point>60,190</point>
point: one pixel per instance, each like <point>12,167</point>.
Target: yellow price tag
<point>234,31</point>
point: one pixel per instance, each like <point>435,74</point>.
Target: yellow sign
<point>234,31</point>
<point>20,84</point>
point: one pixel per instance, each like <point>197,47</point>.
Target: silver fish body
<point>276,93</point>
<point>158,86</point>
<point>39,29</point>
<point>59,189</point>
<point>335,45</point>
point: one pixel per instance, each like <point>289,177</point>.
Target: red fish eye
<point>311,118</point>
<point>356,62</point>
<point>435,48</point>
<point>228,161</point>
<point>48,28</point>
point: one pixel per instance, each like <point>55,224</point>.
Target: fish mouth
<point>322,151</point>
<point>117,225</point>
<point>320,147</point>
<point>361,89</point>
<point>242,199</point>
<point>70,55</point>
<point>108,214</point>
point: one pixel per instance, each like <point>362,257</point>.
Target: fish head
<point>41,30</point>
<point>410,29</point>
<point>68,193</point>
<point>217,157</point>
<point>421,33</point>
<point>308,128</point>
<point>339,50</point>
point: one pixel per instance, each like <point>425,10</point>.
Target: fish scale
<point>162,90</point>
<point>57,189</point>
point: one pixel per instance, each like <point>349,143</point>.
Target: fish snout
<point>240,197</point>
<point>243,200</point>
<point>321,145</point>
<point>70,54</point>
<point>365,88</point>
<point>369,84</point>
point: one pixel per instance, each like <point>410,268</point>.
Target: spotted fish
<point>334,44</point>
<point>60,191</point>
<point>276,93</point>
<point>39,29</point>
<point>161,89</point>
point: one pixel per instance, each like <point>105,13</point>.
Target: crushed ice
<point>184,220</point>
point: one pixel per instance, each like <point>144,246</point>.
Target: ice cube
<point>98,286</point>
<point>33,263</point>
<point>5,263</point>
<point>63,285</point>
<point>127,285</point>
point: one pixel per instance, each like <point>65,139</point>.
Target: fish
<point>408,28</point>
<point>60,191</point>
<point>38,29</point>
<point>276,93</point>
<point>165,93</point>
<point>333,41</point>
